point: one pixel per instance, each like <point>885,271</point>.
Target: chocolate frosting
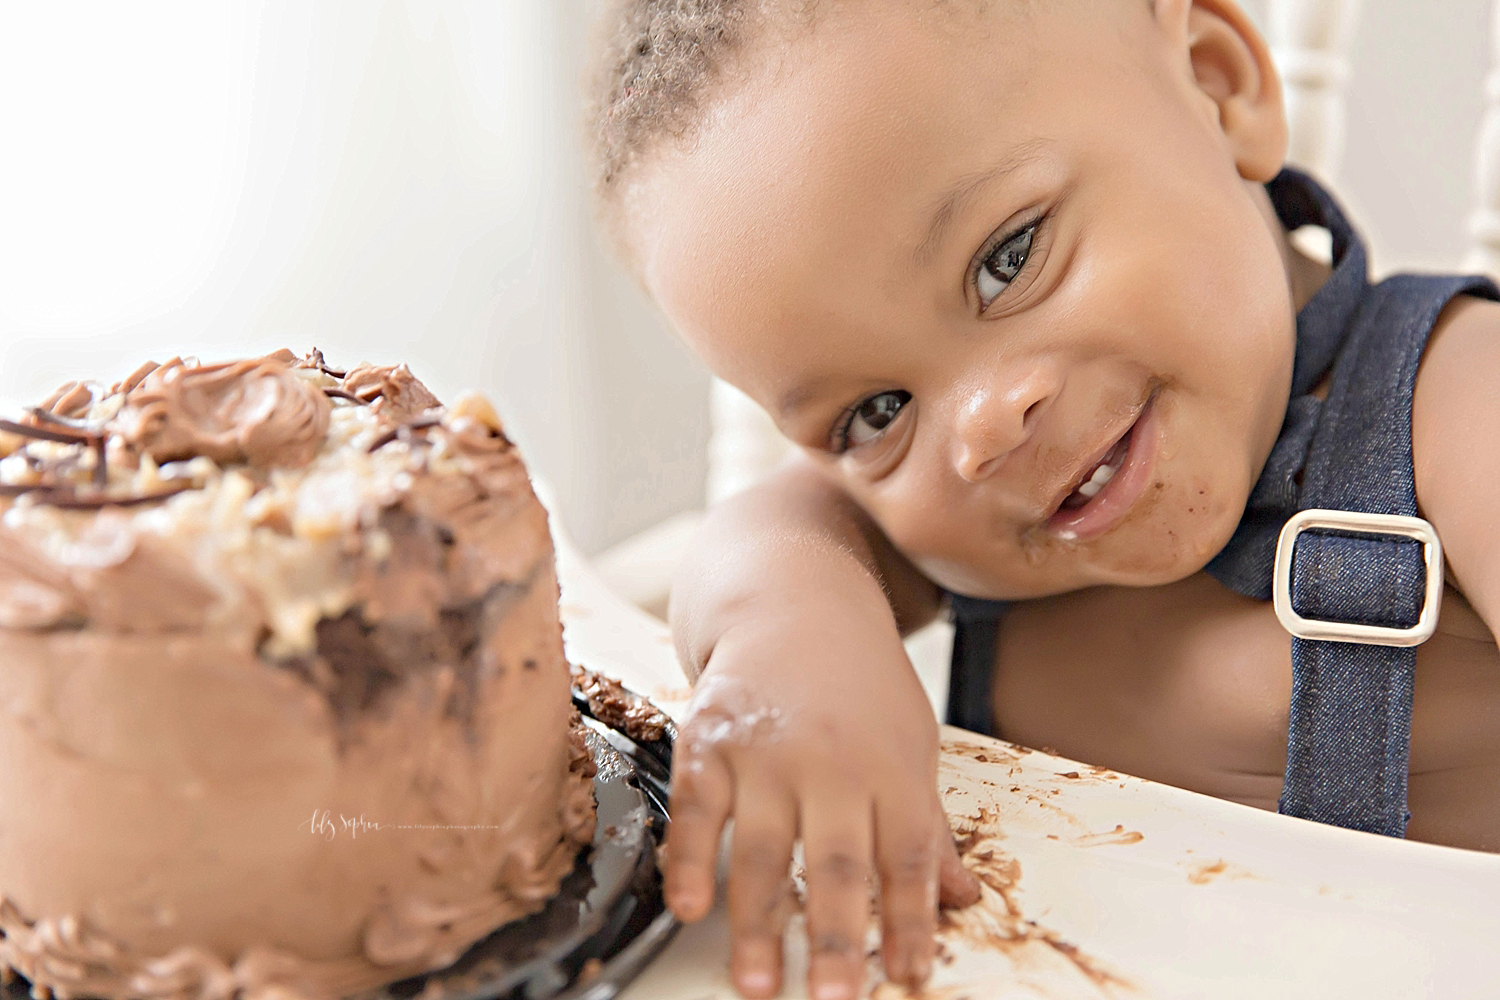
<point>392,389</point>
<point>258,412</point>
<point>283,704</point>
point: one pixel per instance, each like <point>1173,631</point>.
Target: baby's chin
<point>1046,565</point>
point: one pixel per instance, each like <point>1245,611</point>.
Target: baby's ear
<point>1232,67</point>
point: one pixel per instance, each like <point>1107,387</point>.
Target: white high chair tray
<point>1103,885</point>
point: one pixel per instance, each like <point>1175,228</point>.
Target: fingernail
<point>833,991</point>
<point>687,887</point>
<point>686,905</point>
<point>757,982</point>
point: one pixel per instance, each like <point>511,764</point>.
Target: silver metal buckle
<point>1367,524</point>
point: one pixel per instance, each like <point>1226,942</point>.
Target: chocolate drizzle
<point>342,394</point>
<point>75,501</point>
<point>403,432</point>
<point>74,432</point>
<point>48,417</point>
<point>316,361</point>
<point>101,464</point>
<point>46,434</point>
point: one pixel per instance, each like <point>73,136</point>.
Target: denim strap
<point>975,634</point>
<point>1350,725</point>
<point>1349,730</point>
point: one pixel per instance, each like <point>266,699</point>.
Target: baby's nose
<point>993,421</point>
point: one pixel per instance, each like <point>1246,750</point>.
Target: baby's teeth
<point>1097,481</point>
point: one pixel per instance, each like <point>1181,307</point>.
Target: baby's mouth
<point>1098,477</point>
<point>1107,489</point>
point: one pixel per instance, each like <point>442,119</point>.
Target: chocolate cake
<point>283,704</point>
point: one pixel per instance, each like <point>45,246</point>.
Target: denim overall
<point>1350,727</point>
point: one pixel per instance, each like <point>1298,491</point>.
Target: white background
<point>402,180</point>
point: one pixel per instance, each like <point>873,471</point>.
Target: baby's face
<point>1000,274</point>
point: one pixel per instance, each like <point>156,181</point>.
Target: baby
<point>1017,277</point>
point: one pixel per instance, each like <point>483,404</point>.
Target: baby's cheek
<point>1178,527</point>
<point>923,524</point>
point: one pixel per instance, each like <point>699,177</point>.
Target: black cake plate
<point>608,918</point>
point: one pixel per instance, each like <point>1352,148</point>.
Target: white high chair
<point>1113,886</point>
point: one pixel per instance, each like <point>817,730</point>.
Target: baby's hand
<point>820,733</point>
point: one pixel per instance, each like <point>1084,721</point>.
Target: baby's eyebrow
<point>958,196</point>
<point>799,396</point>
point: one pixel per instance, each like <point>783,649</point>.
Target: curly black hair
<point>658,64</point>
<point>655,67</point>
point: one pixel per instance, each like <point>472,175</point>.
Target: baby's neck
<point>1304,274</point>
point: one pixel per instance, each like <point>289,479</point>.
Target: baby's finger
<point>957,886</point>
<point>836,845</point>
<point>701,793</point>
<point>906,855</point>
<point>765,827</point>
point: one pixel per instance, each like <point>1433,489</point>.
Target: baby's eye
<point>1000,267</point>
<point>869,419</point>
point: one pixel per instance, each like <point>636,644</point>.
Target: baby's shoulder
<point>1456,446</point>
<point>1462,357</point>
<point>1455,408</point>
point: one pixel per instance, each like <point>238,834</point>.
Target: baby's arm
<point>808,722</point>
